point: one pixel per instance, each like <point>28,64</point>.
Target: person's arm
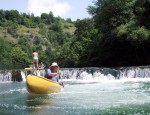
<point>32,54</point>
<point>53,74</point>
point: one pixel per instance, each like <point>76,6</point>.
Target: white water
<point>23,74</point>
<point>88,74</point>
<point>5,76</point>
<point>91,94</point>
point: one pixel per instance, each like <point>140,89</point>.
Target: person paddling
<point>53,73</point>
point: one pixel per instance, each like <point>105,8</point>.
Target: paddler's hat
<point>54,64</point>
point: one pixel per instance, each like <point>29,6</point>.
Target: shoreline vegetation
<point>117,35</point>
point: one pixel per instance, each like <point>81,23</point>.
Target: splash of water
<point>88,74</point>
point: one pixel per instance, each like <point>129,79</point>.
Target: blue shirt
<point>54,78</point>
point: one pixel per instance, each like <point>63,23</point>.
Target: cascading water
<point>23,75</point>
<point>135,72</point>
<point>105,73</point>
<point>87,73</point>
<point>5,75</point>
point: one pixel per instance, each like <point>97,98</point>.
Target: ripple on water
<point>111,97</point>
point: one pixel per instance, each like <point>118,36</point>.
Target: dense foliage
<point>22,33</point>
<point>118,34</point>
<point>124,28</point>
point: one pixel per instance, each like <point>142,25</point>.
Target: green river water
<point>79,97</point>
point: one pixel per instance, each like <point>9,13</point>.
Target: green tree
<point>56,27</point>
<point>47,18</point>
<point>78,50</point>
<point>20,59</point>
<point>12,15</point>
<point>5,58</point>
<point>67,56</point>
<point>122,29</point>
<point>42,29</point>
<point>12,28</point>
<point>85,35</point>
<point>2,14</point>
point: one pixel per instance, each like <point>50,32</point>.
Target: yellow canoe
<point>40,85</point>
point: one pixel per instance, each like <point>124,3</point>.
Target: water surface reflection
<point>40,103</point>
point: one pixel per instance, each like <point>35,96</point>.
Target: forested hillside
<point>22,33</point>
<point>118,34</point>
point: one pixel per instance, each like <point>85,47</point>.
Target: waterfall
<point>5,75</point>
<point>135,72</point>
<point>81,73</point>
<point>23,75</point>
<point>88,73</point>
<point>105,73</point>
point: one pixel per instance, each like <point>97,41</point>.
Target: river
<point>86,92</point>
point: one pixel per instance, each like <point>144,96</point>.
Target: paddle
<point>62,84</point>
